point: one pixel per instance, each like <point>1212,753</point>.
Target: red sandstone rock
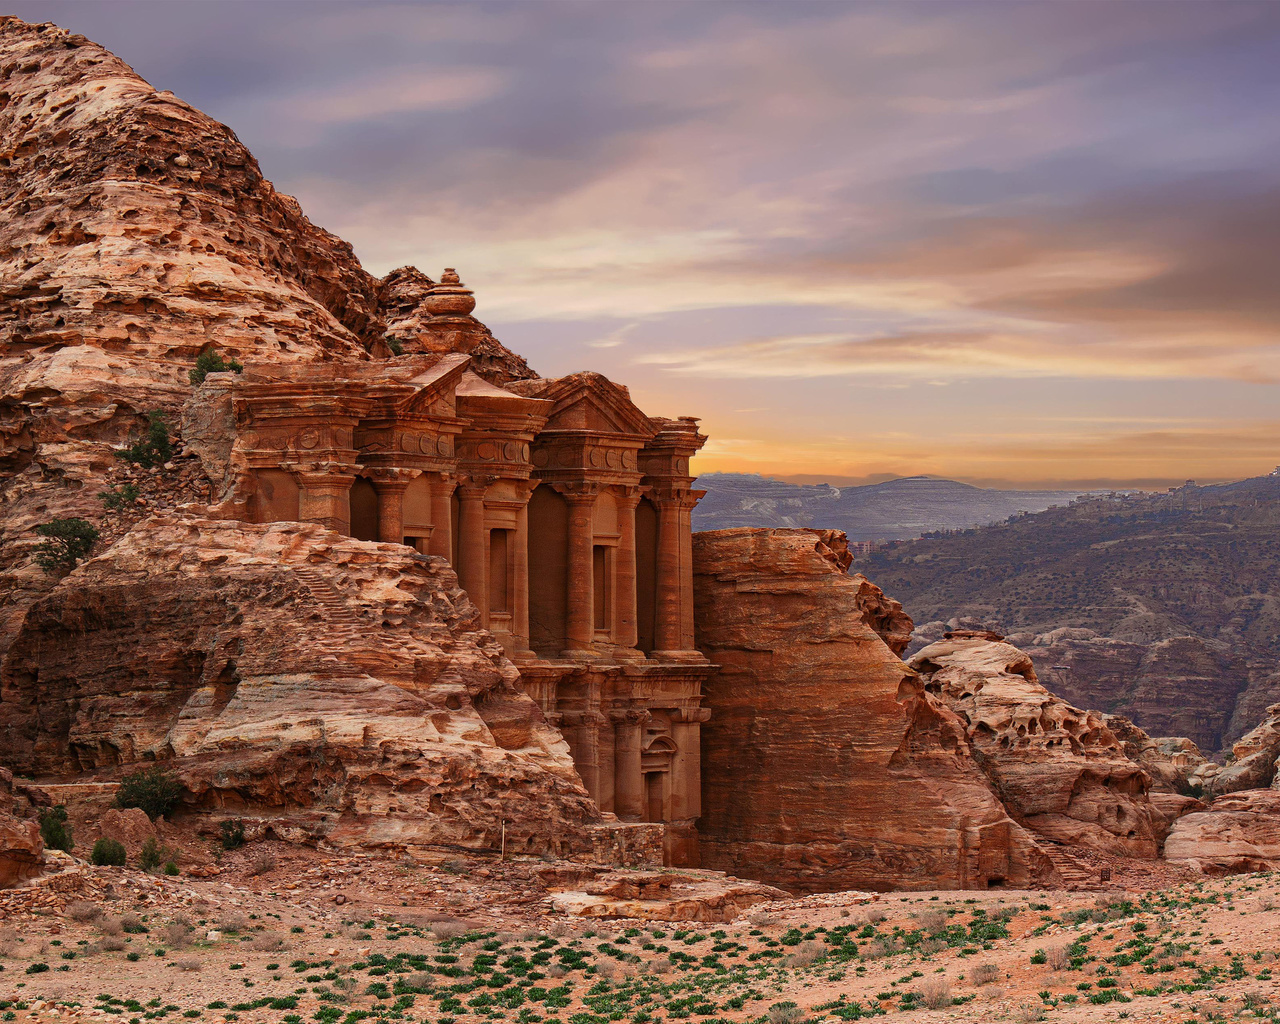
<point>1253,762</point>
<point>1059,770</point>
<point>825,765</point>
<point>1239,832</point>
<point>339,685</point>
<point>1169,760</point>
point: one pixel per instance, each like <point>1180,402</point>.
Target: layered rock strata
<point>1239,832</point>
<point>1059,770</point>
<point>825,764</point>
<point>287,669</point>
<point>1253,763</point>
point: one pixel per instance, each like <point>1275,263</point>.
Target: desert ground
<point>289,933</point>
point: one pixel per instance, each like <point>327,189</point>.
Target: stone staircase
<point>1076,873</point>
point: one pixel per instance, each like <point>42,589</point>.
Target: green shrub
<point>108,852</point>
<point>232,834</point>
<point>394,343</point>
<point>155,790</point>
<point>153,449</point>
<point>66,542</point>
<point>170,868</point>
<point>211,361</point>
<point>152,855</point>
<point>53,829</point>
<point>119,498</point>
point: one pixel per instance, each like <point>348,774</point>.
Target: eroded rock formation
<point>287,668</point>
<point>1059,770</point>
<point>825,765</point>
<point>1253,762</point>
<point>1240,832</point>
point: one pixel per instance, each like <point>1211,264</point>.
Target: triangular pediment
<point>591,402</point>
<point>435,388</point>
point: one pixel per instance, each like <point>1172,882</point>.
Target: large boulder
<point>286,670</point>
<point>825,764</point>
<point>1239,832</point>
<point>1060,771</point>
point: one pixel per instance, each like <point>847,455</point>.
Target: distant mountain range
<point>1162,607</point>
<point>895,510</point>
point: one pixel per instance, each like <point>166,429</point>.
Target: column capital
<point>474,486</point>
<point>628,496</point>
<point>390,476</point>
<point>630,716</point>
<point>578,493</point>
<point>324,473</point>
<point>692,715</point>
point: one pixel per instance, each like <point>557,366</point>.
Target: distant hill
<point>1164,607</point>
<point>894,510</point>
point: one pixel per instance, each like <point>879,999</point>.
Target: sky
<point>1016,244</point>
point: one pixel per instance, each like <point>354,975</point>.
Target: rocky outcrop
<point>295,672</point>
<point>21,848</point>
<point>1134,678</point>
<point>1060,771</point>
<point>136,232</point>
<point>1169,760</point>
<point>825,764</point>
<point>1239,832</point>
<point>704,896</point>
<point>1253,761</point>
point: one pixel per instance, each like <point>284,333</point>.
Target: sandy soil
<point>291,934</point>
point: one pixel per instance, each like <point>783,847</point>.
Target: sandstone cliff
<point>1060,771</point>
<point>136,232</point>
<point>1240,832</point>
<point>825,765</point>
<point>341,684</point>
<point>1253,761</point>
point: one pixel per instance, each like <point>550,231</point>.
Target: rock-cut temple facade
<point>564,509</point>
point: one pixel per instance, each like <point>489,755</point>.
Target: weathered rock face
<point>1240,832</point>
<point>1060,771</point>
<point>1253,763</point>
<point>1135,678</point>
<point>300,673</point>
<point>21,848</point>
<point>825,765</point>
<point>136,232</point>
<point>1169,760</point>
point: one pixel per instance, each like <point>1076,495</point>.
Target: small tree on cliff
<point>211,361</point>
<point>66,542</point>
<point>155,447</point>
<point>155,790</point>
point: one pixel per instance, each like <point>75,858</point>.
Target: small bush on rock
<point>152,855</point>
<point>66,541</point>
<point>53,829</point>
<point>108,852</point>
<point>153,449</point>
<point>119,498</point>
<point>154,790</point>
<point>232,834</point>
<point>211,361</point>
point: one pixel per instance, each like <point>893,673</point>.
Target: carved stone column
<point>628,779</point>
<point>669,583</point>
<point>441,540</point>
<point>624,572</point>
<point>473,553</point>
<point>520,590</point>
<point>580,624</point>
<point>325,497</point>
<point>686,765</point>
<point>582,730</point>
<point>390,488</point>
